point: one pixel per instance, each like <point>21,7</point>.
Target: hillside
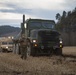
<point>9,30</point>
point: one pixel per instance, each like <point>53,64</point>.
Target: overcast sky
<point>11,11</point>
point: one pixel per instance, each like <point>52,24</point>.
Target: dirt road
<point>12,64</point>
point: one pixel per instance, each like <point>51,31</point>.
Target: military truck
<point>6,44</point>
<point>42,36</point>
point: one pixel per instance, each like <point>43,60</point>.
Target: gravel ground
<point>12,64</point>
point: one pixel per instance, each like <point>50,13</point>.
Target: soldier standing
<point>23,48</point>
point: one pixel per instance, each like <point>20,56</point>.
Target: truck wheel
<point>51,52</point>
<point>19,50</point>
<point>58,51</point>
<point>1,50</point>
<point>33,52</point>
<point>28,53</point>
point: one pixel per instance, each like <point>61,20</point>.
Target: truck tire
<point>28,51</point>
<point>1,50</point>
<point>19,50</point>
<point>58,51</point>
<point>51,52</point>
<point>33,51</point>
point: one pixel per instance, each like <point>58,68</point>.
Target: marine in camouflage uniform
<point>23,48</point>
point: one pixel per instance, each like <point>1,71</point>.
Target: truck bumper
<point>47,47</point>
<point>7,49</point>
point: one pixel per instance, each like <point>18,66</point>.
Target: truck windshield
<point>34,25</point>
<point>48,25</point>
<point>4,43</point>
<point>10,43</point>
<point>39,25</point>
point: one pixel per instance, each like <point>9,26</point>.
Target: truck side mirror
<point>25,25</point>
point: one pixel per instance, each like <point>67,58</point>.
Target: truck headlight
<point>61,42</point>
<point>7,47</point>
<point>34,41</point>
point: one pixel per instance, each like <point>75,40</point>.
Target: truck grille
<point>48,38</point>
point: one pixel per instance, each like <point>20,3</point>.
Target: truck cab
<point>44,39</point>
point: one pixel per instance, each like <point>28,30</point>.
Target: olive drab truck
<point>42,36</point>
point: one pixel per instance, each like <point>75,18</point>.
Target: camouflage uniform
<point>23,48</point>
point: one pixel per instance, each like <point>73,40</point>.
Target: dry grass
<point>69,50</point>
<point>12,64</point>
